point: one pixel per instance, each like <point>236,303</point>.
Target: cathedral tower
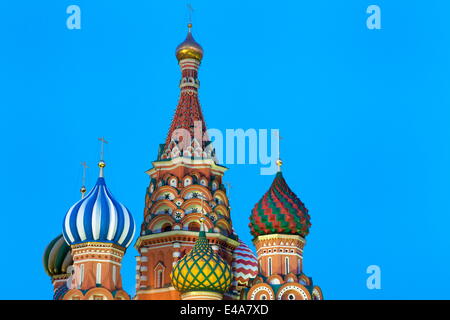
<point>185,186</point>
<point>98,229</point>
<point>280,223</point>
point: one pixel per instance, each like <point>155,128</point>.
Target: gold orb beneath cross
<point>102,164</point>
<point>279,162</point>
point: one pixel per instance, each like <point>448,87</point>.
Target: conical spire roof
<point>187,133</point>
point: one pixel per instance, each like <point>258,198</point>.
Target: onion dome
<point>189,48</point>
<point>244,265</point>
<point>201,269</point>
<point>279,211</point>
<point>99,217</point>
<point>57,257</point>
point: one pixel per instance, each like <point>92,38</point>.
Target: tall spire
<point>187,133</point>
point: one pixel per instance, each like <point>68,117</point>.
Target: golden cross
<point>190,12</point>
<point>102,141</point>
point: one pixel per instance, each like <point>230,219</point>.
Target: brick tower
<point>280,223</point>
<point>185,186</point>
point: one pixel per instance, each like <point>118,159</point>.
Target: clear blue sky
<point>364,115</point>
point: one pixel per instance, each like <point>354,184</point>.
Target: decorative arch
<point>187,181</point>
<point>74,293</point>
<point>195,175</point>
<point>257,279</point>
<point>290,278</point>
<point>166,227</point>
<point>203,181</point>
<point>295,290</point>
<point>162,205</point>
<point>159,274</point>
<point>164,189</point>
<point>195,217</point>
<point>194,226</point>
<point>275,279</point>
<point>172,181</point>
<point>221,209</point>
<point>215,184</point>
<point>304,280</point>
<point>94,293</point>
<point>220,194</point>
<point>223,225</point>
<point>158,222</point>
<point>196,188</point>
<point>317,293</point>
<point>261,291</point>
<point>121,295</point>
<point>189,206</point>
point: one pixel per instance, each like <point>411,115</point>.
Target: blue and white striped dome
<point>98,217</point>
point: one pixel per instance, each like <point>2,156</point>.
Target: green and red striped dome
<point>279,211</point>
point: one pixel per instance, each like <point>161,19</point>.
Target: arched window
<point>269,266</point>
<point>166,227</point>
<point>286,265</point>
<point>194,226</point>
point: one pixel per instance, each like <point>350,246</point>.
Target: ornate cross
<point>84,172</point>
<point>191,10</point>
<point>102,144</point>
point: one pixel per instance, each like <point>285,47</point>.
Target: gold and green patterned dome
<point>201,269</point>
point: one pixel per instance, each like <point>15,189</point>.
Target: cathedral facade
<point>187,247</point>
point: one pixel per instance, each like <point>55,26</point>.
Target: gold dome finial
<point>189,48</point>
<point>83,188</point>
<point>279,163</point>
<point>101,163</point>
